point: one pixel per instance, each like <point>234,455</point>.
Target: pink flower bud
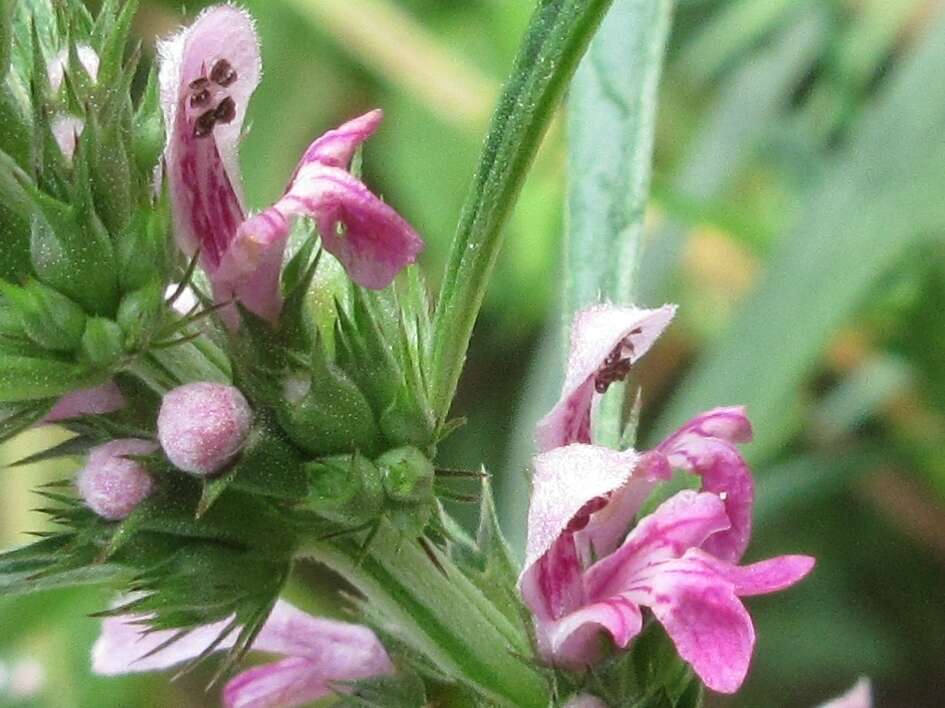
<point>203,425</point>
<point>111,484</point>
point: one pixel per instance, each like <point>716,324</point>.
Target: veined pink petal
<point>705,619</point>
<point>208,72</point>
<point>766,576</point>
<point>321,652</point>
<point>728,423</point>
<point>99,400</point>
<point>566,479</point>
<point>724,472</point>
<point>605,341</point>
<point>607,528</point>
<point>574,640</point>
<point>336,147</point>
<point>860,696</point>
<point>552,588</point>
<point>682,522</point>
<point>371,240</point>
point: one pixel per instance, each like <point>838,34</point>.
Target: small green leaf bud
<point>139,312</point>
<point>346,488</point>
<point>324,412</point>
<point>408,474</point>
<point>102,342</point>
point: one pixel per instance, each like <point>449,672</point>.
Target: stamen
<point>223,73</point>
<point>225,111</point>
<point>203,126</point>
<point>199,98</point>
<point>583,515</point>
<point>200,82</point>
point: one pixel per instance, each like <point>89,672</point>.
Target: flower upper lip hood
<point>605,341</point>
<point>208,73</point>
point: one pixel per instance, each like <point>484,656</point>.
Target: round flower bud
<point>111,484</point>
<point>203,425</point>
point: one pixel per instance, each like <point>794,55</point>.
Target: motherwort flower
<point>317,653</point>
<point>585,573</point>
<point>208,73</point>
<point>605,342</point>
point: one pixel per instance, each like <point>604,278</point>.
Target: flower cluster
<point>228,439</point>
<point>585,573</point>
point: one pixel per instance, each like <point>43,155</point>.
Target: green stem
<point>439,613</point>
<point>557,35</point>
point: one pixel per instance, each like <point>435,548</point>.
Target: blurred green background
<point>797,217</point>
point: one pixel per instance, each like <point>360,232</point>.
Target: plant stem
<point>557,35</point>
<point>438,612</point>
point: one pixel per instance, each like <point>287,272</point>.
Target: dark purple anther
<point>223,73</point>
<point>203,126</point>
<point>225,111</point>
<point>199,98</point>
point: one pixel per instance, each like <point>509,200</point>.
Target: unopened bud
<point>408,474</point>
<point>202,426</point>
<point>111,484</point>
<point>346,488</point>
<point>102,342</point>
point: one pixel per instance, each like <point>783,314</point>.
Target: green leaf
<point>872,204</point>
<point>23,378</point>
<point>17,417</point>
<point>611,120</point>
<point>6,35</point>
<point>555,39</point>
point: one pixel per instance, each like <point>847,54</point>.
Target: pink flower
<point>606,340</point>
<point>208,73</point>
<point>584,573</point>
<point>316,653</point>
<point>106,398</point>
<point>111,484</point>
<point>202,426</point>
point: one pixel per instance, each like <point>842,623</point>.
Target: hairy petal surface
<point>211,66</point>
<point>605,341</point>
<point>565,481</point>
